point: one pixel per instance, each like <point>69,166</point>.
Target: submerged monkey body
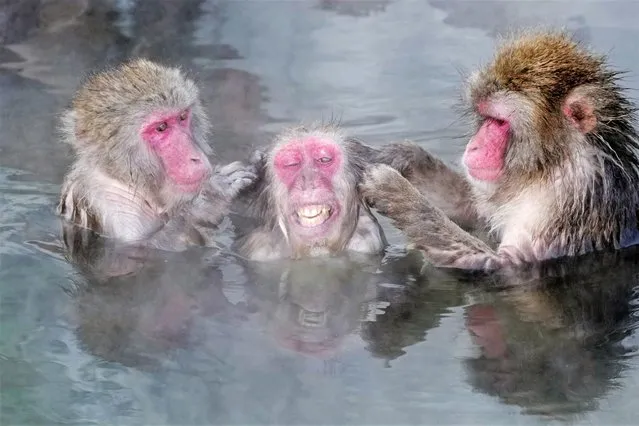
<point>552,170</point>
<point>141,172</point>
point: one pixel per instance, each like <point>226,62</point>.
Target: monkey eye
<point>183,115</point>
<point>325,160</point>
<point>292,164</point>
<point>162,127</point>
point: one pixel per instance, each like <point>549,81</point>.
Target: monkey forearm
<point>427,227</point>
<point>445,244</point>
<point>444,187</point>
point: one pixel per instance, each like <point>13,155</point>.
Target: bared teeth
<point>313,215</point>
<point>312,319</point>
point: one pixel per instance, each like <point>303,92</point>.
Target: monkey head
<point>142,124</point>
<point>543,101</point>
<point>314,175</point>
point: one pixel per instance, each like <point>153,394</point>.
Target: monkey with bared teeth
<point>306,198</point>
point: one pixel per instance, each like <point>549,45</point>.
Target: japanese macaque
<point>307,200</point>
<point>141,171</point>
<point>552,169</point>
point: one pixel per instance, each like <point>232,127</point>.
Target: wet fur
<point>269,240</point>
<point>117,186</point>
<point>564,193</point>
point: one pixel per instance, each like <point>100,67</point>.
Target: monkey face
<point>537,104</point>
<point>315,197</point>
<point>169,136</point>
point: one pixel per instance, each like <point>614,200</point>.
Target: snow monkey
<point>141,171</point>
<point>552,168</point>
<point>307,199</point>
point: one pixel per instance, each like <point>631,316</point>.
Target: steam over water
<point>204,338</point>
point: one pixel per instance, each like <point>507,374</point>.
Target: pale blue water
<point>199,337</point>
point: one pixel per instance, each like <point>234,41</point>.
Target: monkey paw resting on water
<point>307,201</point>
<point>552,170</point>
<point>141,171</point>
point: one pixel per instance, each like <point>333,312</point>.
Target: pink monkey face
<point>307,169</point>
<point>170,137</point>
<point>485,154</point>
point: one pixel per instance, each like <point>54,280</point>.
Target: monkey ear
<point>579,109</point>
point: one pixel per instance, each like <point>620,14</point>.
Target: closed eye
<point>162,127</point>
<point>325,160</point>
<point>292,164</point>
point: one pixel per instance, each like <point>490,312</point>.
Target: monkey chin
<point>314,220</point>
<point>191,187</point>
<point>489,176</point>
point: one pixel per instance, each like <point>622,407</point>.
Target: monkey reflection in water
<point>134,305</point>
<point>312,305</point>
<point>552,340</point>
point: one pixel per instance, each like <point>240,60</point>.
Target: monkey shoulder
<point>368,236</point>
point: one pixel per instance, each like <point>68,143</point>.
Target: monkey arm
<point>445,188</point>
<point>360,150</point>
<point>444,243</point>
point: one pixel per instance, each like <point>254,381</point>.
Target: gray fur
<point>116,185</point>
<point>359,229</point>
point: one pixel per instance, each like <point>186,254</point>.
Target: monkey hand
<point>387,191</point>
<point>405,157</point>
<point>258,160</point>
<point>233,178</point>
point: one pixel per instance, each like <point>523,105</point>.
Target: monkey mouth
<point>311,216</point>
<point>311,319</point>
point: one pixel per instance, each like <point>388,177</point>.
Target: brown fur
<point>571,174</point>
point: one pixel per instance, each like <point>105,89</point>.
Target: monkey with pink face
<point>551,171</point>
<point>306,198</point>
<point>141,172</point>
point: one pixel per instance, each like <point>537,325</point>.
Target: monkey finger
<point>231,168</point>
<point>257,158</point>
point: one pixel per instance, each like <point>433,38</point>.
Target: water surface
<point>203,338</point>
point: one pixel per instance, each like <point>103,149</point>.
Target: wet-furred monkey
<point>552,169</point>
<point>306,198</point>
<point>141,171</point>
